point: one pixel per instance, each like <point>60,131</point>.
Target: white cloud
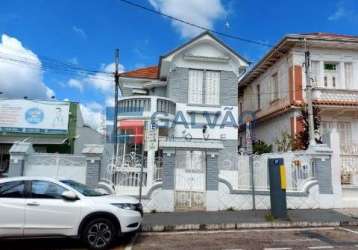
<point>200,12</point>
<point>338,14</point>
<point>21,74</point>
<point>109,101</point>
<point>95,106</point>
<point>79,31</point>
<point>92,117</point>
<point>74,83</point>
<point>101,81</point>
<point>343,11</point>
<point>73,60</point>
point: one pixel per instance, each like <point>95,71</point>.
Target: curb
<point>238,226</point>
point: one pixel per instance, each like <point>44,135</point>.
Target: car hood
<point>115,199</point>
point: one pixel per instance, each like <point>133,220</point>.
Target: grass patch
<point>269,217</point>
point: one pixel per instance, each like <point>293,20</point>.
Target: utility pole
<point>309,95</point>
<point>249,150</point>
<point>116,87</point>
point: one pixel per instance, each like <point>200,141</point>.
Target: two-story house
<point>275,89</point>
<point>186,110</point>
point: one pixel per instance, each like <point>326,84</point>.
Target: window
<point>348,71</point>
<point>46,190</point>
<point>274,88</point>
<point>196,78</point>
<point>333,81</point>
<point>212,91</point>
<point>315,72</point>
<point>330,66</point>
<point>83,189</point>
<point>330,74</point>
<point>242,70</point>
<point>13,189</point>
<point>204,87</point>
<point>258,92</point>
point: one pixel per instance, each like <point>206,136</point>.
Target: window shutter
<point>348,71</point>
<point>212,88</point>
<point>195,92</point>
<point>315,72</point>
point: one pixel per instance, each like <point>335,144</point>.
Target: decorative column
<point>93,153</point>
<point>341,76</point>
<point>321,74</point>
<point>18,153</point>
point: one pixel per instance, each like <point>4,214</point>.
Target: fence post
<point>93,153</point>
<point>212,181</point>
<point>336,162</point>
<point>168,169</point>
<point>18,153</point>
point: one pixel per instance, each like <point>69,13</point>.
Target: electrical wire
<point>137,5</point>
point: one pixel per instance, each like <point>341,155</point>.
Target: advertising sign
<point>32,116</point>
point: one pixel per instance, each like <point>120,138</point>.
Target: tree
<point>302,139</point>
<point>260,147</point>
<point>285,142</point>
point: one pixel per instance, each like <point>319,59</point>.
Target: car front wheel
<point>99,234</point>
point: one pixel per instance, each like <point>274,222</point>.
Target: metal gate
<point>190,169</point>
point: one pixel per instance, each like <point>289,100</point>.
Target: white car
<point>45,207</point>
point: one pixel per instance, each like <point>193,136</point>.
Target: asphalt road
<point>329,238</point>
<point>344,238</point>
<point>56,244</point>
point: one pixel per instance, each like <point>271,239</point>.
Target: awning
<point>131,131</point>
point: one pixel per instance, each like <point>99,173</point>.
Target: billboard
<point>33,116</point>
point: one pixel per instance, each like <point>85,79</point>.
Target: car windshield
<point>83,189</point>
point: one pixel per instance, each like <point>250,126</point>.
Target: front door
<point>47,213</point>
<point>190,181</point>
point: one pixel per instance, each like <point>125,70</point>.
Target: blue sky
<point>86,32</point>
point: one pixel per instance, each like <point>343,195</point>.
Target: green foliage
<point>269,217</point>
<point>285,142</point>
<point>260,147</point>
<point>302,140</point>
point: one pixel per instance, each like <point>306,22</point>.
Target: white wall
<point>250,94</point>
<point>330,55</point>
<point>229,133</point>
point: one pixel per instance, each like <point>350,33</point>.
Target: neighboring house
<point>275,90</point>
<point>50,126</point>
<point>196,83</point>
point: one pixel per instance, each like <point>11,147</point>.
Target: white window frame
<point>195,86</point>
<point>202,88</point>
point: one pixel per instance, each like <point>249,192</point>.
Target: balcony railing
<point>144,106</point>
<point>344,96</point>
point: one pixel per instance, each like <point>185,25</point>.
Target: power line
<point>54,65</point>
<point>137,5</point>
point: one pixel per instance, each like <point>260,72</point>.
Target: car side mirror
<point>69,196</point>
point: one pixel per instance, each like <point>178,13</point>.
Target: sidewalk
<point>246,219</point>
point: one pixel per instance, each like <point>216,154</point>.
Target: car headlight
<point>127,206</point>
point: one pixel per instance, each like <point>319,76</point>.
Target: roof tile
<point>151,72</point>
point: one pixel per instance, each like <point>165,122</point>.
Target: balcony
<point>345,97</point>
<point>145,107</point>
